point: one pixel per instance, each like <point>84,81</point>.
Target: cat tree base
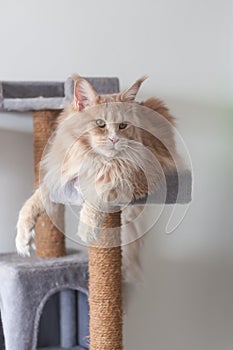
<point>27,284</point>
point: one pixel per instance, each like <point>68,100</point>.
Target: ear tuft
<point>75,76</point>
<point>129,94</point>
<point>84,94</point>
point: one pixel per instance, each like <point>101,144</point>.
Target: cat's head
<point>108,129</point>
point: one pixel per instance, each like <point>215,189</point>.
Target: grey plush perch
<point>178,190</point>
<point>28,96</point>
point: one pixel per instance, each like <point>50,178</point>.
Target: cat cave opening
<point>64,322</point>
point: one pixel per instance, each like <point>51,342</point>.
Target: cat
<point>107,143</point>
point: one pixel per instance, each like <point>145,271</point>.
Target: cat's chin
<point>111,153</point>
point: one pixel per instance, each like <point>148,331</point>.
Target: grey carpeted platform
<point>178,190</point>
<point>28,96</point>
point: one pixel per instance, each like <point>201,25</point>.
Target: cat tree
<point>105,294</point>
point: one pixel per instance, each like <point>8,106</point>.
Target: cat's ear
<point>84,94</point>
<point>129,94</point>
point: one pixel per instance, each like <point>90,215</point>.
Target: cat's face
<point>110,133</point>
<point>109,130</point>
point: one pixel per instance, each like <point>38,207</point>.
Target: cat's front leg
<point>26,223</point>
<point>90,224</point>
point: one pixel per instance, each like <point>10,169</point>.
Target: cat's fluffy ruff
<point>79,149</point>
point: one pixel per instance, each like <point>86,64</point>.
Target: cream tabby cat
<point>108,145</point>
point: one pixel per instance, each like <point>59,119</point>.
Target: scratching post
<point>105,290</point>
<point>50,242</point>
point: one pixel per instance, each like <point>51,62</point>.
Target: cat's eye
<point>101,123</point>
<point>122,125</point>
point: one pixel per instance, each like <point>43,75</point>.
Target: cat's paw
<point>24,241</point>
<point>88,233</point>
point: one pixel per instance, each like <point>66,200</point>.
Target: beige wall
<point>185,301</point>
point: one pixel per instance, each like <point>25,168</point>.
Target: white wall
<point>186,48</point>
<point>16,181</point>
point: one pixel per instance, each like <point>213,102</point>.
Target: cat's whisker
<point>130,157</point>
<point>133,149</point>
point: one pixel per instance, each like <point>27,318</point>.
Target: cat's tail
<point>28,215</point>
<point>131,232</point>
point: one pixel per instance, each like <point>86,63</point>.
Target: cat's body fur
<point>101,158</point>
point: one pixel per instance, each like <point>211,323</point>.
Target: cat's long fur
<point>79,149</point>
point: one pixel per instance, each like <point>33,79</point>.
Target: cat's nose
<point>114,139</point>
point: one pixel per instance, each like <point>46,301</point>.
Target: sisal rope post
<point>105,290</point>
<point>50,242</point>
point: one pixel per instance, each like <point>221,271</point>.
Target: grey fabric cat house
<point>66,278</point>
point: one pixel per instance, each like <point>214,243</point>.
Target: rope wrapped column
<point>105,289</point>
<point>50,242</point>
